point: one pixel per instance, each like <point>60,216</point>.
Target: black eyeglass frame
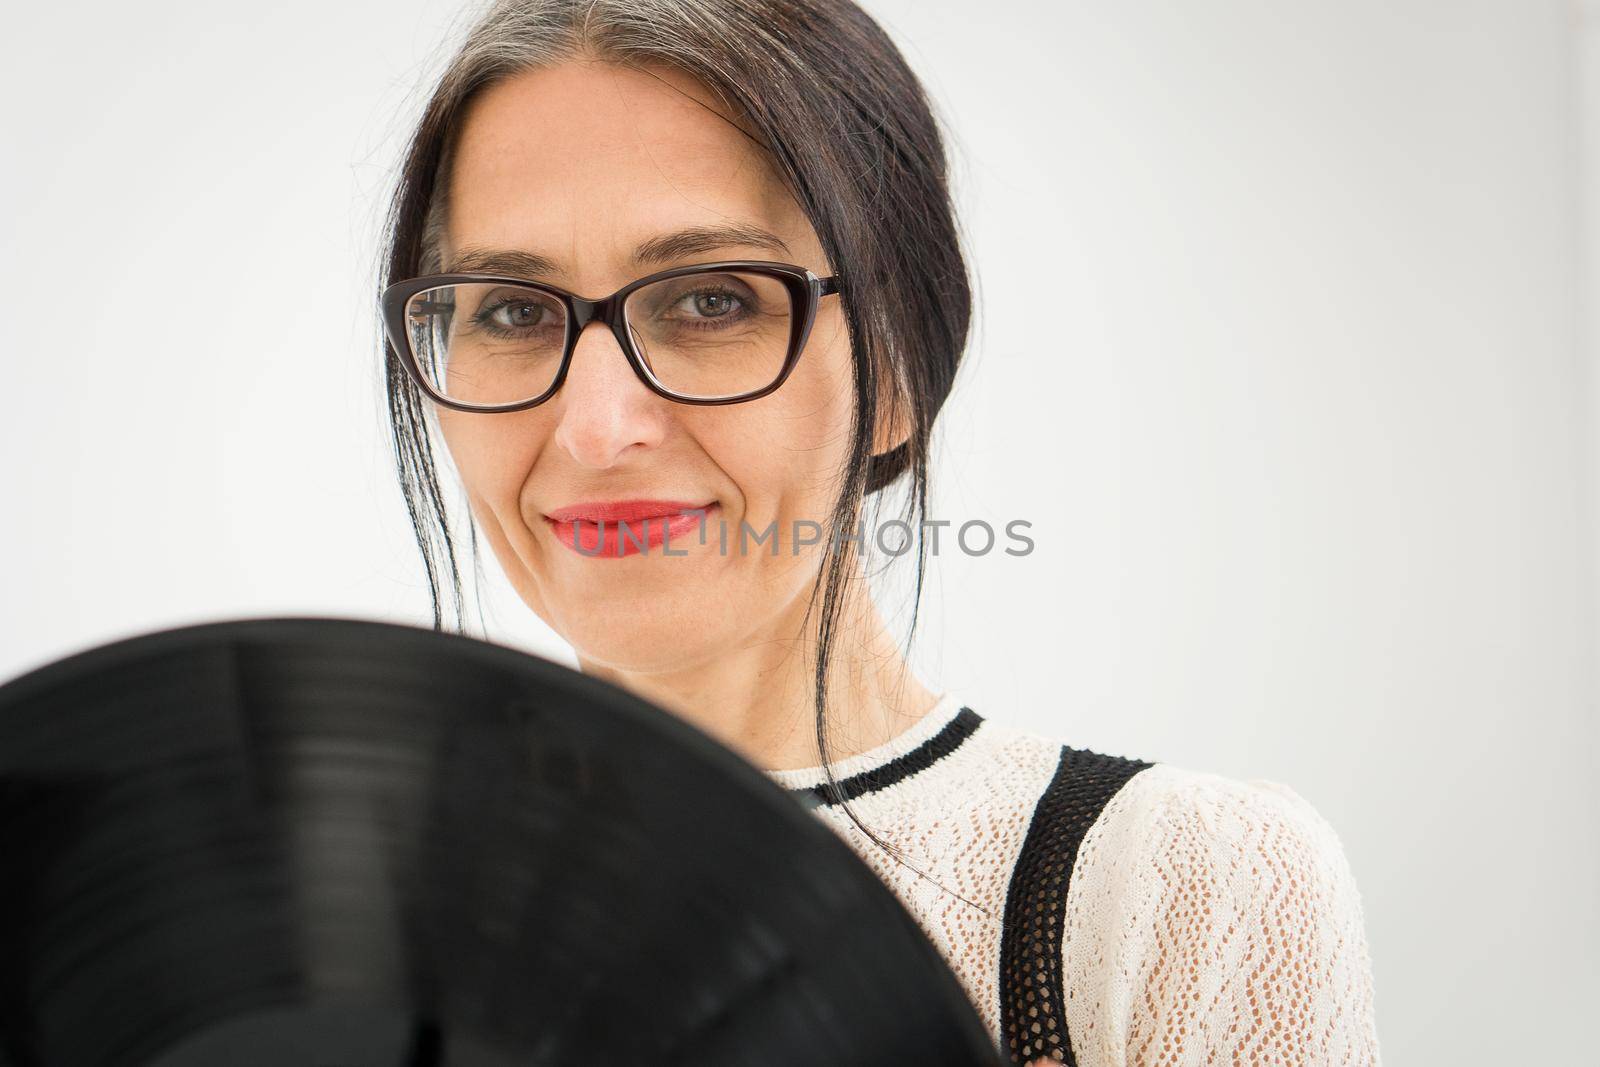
<point>806,291</point>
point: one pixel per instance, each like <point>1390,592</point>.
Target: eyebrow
<point>662,250</point>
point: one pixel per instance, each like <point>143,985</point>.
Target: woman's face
<point>582,163</point>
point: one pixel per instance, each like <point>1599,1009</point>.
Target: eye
<point>711,302</point>
<point>700,304</point>
<point>516,314</point>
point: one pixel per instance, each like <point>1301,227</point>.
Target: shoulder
<point>1107,814</point>
<point>1220,913</point>
<point>1176,815</point>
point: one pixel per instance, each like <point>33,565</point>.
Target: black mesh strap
<point>1033,1021</point>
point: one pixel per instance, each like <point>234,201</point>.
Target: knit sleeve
<point>1217,922</point>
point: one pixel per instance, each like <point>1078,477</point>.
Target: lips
<point>624,510</point>
<point>618,528</point>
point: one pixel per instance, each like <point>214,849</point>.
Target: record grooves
<point>344,843</point>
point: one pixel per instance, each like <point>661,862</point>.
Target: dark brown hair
<point>850,132</point>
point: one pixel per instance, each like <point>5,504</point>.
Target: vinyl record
<point>343,843</point>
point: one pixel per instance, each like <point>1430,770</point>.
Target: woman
<point>675,469</point>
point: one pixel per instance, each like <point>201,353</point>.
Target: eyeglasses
<point>711,333</point>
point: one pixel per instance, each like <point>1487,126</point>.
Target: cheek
<point>791,452</point>
<point>823,397</point>
<point>491,452</point>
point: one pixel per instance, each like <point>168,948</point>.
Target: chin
<point>641,641</point>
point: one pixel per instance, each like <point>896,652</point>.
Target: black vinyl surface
<point>344,843</point>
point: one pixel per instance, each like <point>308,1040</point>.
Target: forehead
<point>582,162</point>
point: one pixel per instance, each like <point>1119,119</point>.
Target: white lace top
<point>1206,920</point>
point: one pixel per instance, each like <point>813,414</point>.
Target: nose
<point>604,408</point>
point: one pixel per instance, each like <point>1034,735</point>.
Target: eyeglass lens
<point>704,336</point>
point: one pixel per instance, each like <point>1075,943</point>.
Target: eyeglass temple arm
<point>830,284</point>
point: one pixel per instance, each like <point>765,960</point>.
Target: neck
<point>759,699</point>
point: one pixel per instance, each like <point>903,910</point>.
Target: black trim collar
<point>925,755</point>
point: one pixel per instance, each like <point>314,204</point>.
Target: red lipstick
<point>616,528</point>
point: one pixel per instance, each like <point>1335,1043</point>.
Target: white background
<point>1286,348</point>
